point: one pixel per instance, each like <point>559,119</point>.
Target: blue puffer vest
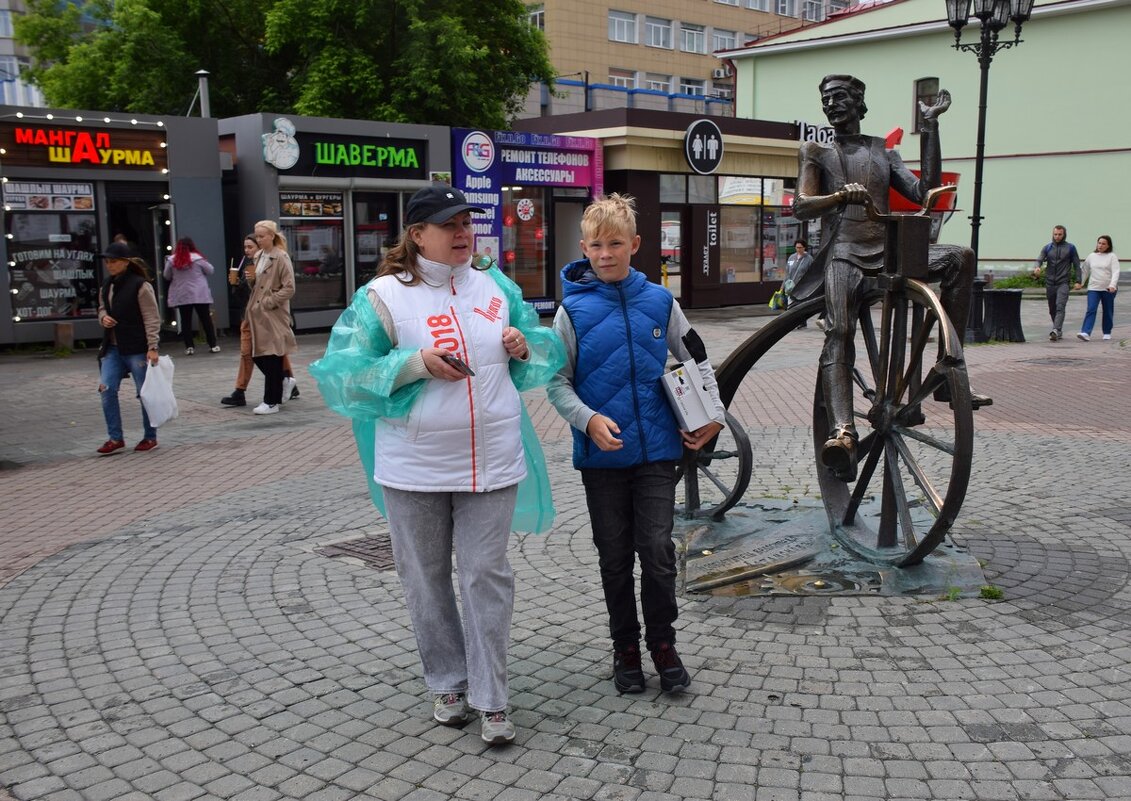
<point>621,330</point>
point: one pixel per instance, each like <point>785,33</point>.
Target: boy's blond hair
<point>613,213</point>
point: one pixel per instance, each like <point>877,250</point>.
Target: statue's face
<point>839,104</point>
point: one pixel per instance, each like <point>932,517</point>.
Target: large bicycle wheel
<point>914,451</point>
<point>719,476</point>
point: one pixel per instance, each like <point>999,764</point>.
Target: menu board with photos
<point>48,196</point>
<point>311,205</point>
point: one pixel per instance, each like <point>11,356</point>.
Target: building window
<point>659,83</point>
<point>5,24</point>
<point>787,8</point>
<point>926,91</point>
<point>537,16</point>
<point>727,2</point>
<point>622,27</point>
<point>673,188</point>
<point>813,10</point>
<point>625,78</point>
<point>658,32</point>
<point>723,92</point>
<point>9,68</point>
<point>694,38</point>
<point>723,40</point>
<point>836,6</point>
<point>759,5</point>
<point>691,86</point>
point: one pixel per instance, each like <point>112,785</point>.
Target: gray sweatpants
<point>468,656</point>
<point>1057,295</point>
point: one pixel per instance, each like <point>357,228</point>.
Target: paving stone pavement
<point>169,631</point>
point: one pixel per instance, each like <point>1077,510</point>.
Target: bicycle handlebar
<point>928,203</point>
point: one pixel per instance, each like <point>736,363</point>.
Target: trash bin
<point>1001,319</point>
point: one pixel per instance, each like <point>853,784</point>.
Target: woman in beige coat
<point>269,312</point>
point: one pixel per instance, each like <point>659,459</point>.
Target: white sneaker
<point>215,348</point>
<point>820,323</point>
<point>1107,336</point>
<point>289,385</point>
<point>450,709</point>
<point>266,408</point>
<point>1083,337</point>
<point>496,728</point>
<point>189,351</point>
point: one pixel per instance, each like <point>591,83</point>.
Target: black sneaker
<point>628,676</point>
<point>673,676</point>
<point>235,399</point>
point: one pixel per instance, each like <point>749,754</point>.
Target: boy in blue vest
<point>618,329</point>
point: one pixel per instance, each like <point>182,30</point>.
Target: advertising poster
<point>52,250</point>
<point>486,161</point>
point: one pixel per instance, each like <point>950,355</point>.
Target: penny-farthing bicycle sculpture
<point>914,451</point>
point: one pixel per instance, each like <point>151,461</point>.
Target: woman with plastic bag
<point>428,361</point>
<point>127,311</point>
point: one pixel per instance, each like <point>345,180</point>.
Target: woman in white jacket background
<point>428,360</point>
<point>1100,272</point>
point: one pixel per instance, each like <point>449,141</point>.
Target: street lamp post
<point>994,16</point>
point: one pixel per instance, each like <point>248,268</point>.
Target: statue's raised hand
<point>941,104</point>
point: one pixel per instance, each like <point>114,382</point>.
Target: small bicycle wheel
<point>720,474</point>
<point>914,452</point>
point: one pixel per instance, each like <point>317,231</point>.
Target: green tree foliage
<point>425,61</point>
<point>141,55</point>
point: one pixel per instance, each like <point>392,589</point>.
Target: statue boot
<point>839,452</point>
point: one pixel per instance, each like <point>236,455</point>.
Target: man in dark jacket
<point>1061,258</point>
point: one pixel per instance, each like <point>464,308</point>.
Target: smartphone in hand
<point>457,363</point>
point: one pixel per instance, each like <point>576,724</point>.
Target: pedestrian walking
<point>428,360</point>
<point>1061,260</point>
<point>127,311</point>
<point>1101,276</point>
<point>795,268</point>
<point>269,313</point>
<point>618,329</point>
<point>242,278</point>
<point>187,273</point>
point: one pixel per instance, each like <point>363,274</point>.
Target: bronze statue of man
<point>833,183</point>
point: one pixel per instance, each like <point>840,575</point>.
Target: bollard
<point>64,336</point>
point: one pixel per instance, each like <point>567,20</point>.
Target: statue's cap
<point>851,80</point>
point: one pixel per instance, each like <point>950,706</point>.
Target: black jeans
<point>272,369</point>
<point>204,312</point>
<point>632,511</point>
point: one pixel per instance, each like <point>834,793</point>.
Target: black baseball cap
<point>436,204</point>
<point>117,250</point>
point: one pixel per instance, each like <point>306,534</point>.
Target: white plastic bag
<point>157,392</point>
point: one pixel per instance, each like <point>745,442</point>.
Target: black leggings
<point>204,312</point>
<point>272,369</point>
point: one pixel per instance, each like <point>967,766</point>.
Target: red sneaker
<point>146,445</point>
<point>111,446</point>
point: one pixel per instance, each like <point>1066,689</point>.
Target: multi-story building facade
<point>654,53</point>
<point>13,58</point>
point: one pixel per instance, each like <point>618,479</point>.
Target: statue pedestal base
<point>775,547</point>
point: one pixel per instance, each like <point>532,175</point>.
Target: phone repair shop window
<point>53,250</point>
<point>524,245</point>
<point>312,224</point>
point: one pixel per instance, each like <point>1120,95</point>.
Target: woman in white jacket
<point>1100,272</point>
<point>429,353</point>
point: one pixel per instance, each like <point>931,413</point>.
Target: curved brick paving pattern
<point>186,641</point>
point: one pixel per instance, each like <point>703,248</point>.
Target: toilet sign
<point>703,146</point>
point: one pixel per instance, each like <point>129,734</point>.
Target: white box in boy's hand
<point>692,405</point>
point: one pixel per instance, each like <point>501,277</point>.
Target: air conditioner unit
<point>720,72</point>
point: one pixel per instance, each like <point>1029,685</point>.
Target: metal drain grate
<point>1056,361</point>
<point>375,551</point>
